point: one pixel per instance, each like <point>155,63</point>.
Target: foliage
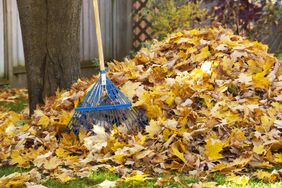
<point>168,16</point>
<point>239,15</point>
<point>259,20</point>
<point>268,28</point>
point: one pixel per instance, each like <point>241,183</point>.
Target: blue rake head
<point>105,105</point>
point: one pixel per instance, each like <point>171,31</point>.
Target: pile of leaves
<point>214,103</point>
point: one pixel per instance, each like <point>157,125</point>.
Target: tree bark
<point>51,39</point>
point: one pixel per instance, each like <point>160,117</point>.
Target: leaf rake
<point>105,105</point>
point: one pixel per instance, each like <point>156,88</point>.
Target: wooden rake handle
<point>99,36</point>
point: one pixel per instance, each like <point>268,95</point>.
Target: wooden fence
<point>116,26</point>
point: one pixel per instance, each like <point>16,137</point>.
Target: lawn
<point>177,180</point>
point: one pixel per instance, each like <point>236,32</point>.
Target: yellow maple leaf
<point>277,106</point>
<point>25,127</point>
<point>44,121</point>
<point>194,32</point>
<point>15,179</point>
<point>278,157</point>
<point>266,122</point>
<point>260,80</point>
<point>117,145</point>
<point>60,152</point>
<point>154,111</point>
<point>18,159</point>
<point>136,176</point>
<point>129,89</point>
<point>259,149</point>
<point>170,100</point>
<point>14,117</point>
<point>241,180</point>
<point>119,158</point>
<point>52,163</point>
<point>177,153</point>
<point>153,128</point>
<point>212,149</point>
<point>203,54</point>
<point>64,177</point>
<point>64,118</point>
<point>219,167</point>
<point>267,176</point>
<point>166,134</point>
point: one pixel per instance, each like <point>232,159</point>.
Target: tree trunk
<point>51,39</point>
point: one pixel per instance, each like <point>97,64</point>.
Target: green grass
<point>79,183</point>
<point>279,56</point>
<point>6,170</point>
<point>99,176</point>
<point>103,174</point>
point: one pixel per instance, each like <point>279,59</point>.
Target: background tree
<point>51,35</point>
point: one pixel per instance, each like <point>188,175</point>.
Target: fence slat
<point>2,68</point>
<point>13,38</point>
<point>122,28</point>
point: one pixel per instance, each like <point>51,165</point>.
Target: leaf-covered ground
<point>214,103</point>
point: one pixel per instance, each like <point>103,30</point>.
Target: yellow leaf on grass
<point>177,153</point>
<point>139,177</point>
<point>64,177</point>
<point>241,180</point>
<point>212,149</point>
<point>267,176</point>
<point>107,184</point>
<point>259,149</point>
<point>44,121</point>
<point>15,179</point>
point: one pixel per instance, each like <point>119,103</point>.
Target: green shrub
<point>168,16</point>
